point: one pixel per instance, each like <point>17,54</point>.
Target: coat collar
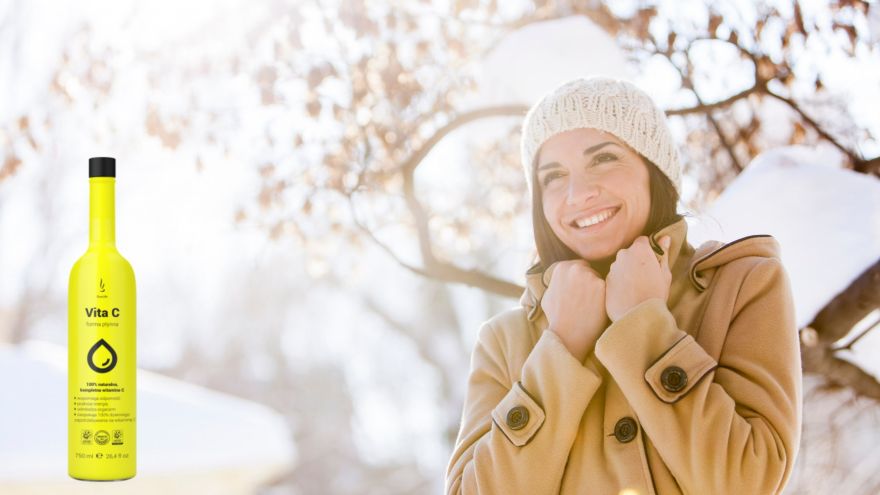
<point>712,254</point>
<point>537,281</point>
<point>687,264</point>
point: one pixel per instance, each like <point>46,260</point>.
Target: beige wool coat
<point>701,395</point>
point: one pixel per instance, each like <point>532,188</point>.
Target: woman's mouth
<point>594,222</point>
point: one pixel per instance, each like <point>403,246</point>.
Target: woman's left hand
<point>636,276</point>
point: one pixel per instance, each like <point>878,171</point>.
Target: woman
<point>635,363</point>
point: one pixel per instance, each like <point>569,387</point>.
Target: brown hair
<point>664,199</point>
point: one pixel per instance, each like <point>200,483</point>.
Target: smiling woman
<point>635,187</point>
<point>635,363</point>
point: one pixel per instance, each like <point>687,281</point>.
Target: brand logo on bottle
<point>101,357</point>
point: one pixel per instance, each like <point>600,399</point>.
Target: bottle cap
<point>102,166</point>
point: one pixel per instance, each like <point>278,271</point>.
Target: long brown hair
<point>664,199</point>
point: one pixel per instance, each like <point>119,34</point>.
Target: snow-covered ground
<point>190,439</point>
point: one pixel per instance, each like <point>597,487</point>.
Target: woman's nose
<point>581,189</point>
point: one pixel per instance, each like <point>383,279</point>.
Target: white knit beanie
<point>608,104</point>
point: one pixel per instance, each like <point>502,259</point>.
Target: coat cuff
<point>518,415</point>
<point>646,347</point>
<point>551,377</point>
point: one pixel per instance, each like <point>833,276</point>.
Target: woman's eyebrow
<point>590,150</point>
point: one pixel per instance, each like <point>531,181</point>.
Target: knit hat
<point>608,104</point>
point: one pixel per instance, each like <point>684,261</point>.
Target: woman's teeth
<point>598,218</point>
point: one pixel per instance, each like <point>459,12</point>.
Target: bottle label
<point>101,373</point>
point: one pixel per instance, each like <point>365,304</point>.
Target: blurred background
<point>322,201</point>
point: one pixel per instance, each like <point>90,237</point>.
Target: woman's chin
<point>595,256</point>
<point>595,248</point>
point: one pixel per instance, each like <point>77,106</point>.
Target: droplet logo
<point>101,357</point>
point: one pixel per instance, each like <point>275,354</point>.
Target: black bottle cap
<point>102,166</point>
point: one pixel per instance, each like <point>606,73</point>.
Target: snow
<point>182,428</point>
<point>536,58</point>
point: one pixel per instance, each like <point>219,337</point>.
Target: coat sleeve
<point>515,436</point>
<point>728,427</point>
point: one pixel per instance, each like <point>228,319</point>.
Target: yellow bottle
<point>101,358</point>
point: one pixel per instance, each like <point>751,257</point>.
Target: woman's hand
<point>574,304</point>
<point>636,276</point>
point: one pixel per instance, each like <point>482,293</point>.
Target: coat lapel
<point>680,252</point>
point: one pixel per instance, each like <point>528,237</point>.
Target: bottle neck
<point>102,211</point>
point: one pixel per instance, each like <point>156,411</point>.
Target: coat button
<point>517,417</point>
<point>673,379</point>
<point>625,429</point>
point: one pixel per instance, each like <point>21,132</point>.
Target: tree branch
<point>720,104</point>
<point>849,345</point>
<point>849,307</point>
<point>442,270</point>
<point>871,166</point>
<point>835,320</point>
<point>839,371</point>
<point>855,157</point>
<point>409,166</point>
<point>445,272</point>
<point>416,158</point>
<point>689,84</point>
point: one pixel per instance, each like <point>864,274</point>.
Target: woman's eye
<point>604,157</point>
<point>550,176</point>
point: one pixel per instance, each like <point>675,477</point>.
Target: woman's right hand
<point>574,304</point>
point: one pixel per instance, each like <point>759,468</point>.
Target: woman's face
<point>587,172</point>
